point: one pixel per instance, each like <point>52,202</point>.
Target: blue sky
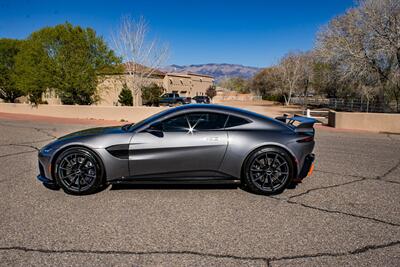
<point>250,32</point>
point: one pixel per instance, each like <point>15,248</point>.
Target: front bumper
<point>48,183</point>
<point>308,167</point>
<point>42,177</point>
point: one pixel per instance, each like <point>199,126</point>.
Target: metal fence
<point>352,105</point>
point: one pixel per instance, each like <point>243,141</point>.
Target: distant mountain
<point>218,71</point>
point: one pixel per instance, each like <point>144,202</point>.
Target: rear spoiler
<point>305,124</point>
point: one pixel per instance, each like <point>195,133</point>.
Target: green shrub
<point>125,97</point>
<point>151,94</point>
<point>276,98</point>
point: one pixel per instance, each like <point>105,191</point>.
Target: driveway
<point>346,213</point>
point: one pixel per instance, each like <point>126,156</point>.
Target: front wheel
<point>268,170</point>
<point>78,171</point>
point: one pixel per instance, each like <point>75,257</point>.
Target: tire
<point>78,171</point>
<point>268,171</point>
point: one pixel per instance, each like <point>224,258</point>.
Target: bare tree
<point>368,92</point>
<point>142,57</point>
<point>291,72</point>
<point>365,43</point>
<point>307,62</point>
<point>383,21</point>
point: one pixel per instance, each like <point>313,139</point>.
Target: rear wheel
<point>78,171</point>
<point>268,170</point>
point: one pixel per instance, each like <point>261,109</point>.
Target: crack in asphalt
<point>389,171</point>
<point>28,144</point>
<point>361,178</point>
<point>40,130</point>
<point>344,174</point>
<point>18,153</point>
<point>267,260</point>
<point>389,136</point>
<point>334,211</point>
<point>343,213</point>
<point>338,254</point>
<point>327,187</point>
<point>390,181</point>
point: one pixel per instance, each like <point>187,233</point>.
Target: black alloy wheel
<point>78,171</point>
<point>268,170</point>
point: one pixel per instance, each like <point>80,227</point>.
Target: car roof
<point>255,117</point>
<point>214,107</point>
<point>228,110</point>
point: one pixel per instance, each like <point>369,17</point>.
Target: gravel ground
<point>346,213</point>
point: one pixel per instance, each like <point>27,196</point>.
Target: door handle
<point>212,139</point>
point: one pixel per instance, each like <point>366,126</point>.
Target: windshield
<point>150,119</point>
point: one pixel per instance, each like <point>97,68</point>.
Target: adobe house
<point>110,86</point>
<point>187,84</point>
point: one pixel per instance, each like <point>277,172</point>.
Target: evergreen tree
<point>125,97</point>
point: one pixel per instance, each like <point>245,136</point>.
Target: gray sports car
<point>191,143</point>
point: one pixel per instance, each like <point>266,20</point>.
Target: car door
<point>187,145</point>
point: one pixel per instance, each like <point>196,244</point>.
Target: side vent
<point>119,151</point>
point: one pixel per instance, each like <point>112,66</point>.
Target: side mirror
<point>155,130</point>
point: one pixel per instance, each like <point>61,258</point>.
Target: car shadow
<point>232,186</point>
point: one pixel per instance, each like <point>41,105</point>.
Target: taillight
<point>306,139</point>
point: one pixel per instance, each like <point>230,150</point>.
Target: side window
<point>206,121</point>
<point>175,124</point>
<point>235,121</point>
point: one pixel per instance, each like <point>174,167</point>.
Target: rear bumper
<point>308,167</point>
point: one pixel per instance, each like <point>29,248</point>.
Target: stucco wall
<point>133,114</point>
<point>200,84</point>
<point>188,85</point>
<point>378,122</point>
<point>110,88</point>
<point>179,83</point>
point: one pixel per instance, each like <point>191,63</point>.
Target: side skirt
<point>191,180</point>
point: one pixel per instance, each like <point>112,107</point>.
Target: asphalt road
<point>346,213</point>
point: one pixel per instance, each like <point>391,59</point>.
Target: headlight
<point>46,150</point>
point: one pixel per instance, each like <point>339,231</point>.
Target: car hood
<point>94,132</point>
